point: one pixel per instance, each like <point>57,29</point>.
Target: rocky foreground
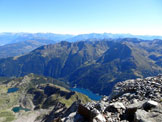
<point>138,100</point>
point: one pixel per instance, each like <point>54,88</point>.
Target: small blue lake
<point>11,90</point>
<point>90,94</point>
<point>17,109</point>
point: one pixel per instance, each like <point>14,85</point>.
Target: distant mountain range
<point>8,38</point>
<point>110,36</point>
<point>95,65</point>
<point>21,48</point>
<point>16,44</point>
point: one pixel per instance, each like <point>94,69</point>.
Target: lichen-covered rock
<point>142,116</point>
<point>149,104</point>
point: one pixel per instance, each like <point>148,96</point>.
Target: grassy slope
<point>9,100</point>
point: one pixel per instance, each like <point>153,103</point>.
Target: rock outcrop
<point>138,100</point>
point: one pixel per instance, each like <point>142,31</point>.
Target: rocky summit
<point>138,100</point>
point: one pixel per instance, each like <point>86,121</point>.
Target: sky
<point>140,17</point>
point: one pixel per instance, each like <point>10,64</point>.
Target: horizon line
<point>82,33</point>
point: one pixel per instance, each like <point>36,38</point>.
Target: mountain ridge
<point>102,63</point>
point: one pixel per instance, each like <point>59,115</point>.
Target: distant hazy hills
<point>21,48</point>
<point>96,65</point>
<point>110,36</point>
<point>8,38</point>
<point>16,44</point>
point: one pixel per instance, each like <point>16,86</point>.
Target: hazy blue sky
<point>82,16</point>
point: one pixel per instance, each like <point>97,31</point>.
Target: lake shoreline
<point>87,92</point>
